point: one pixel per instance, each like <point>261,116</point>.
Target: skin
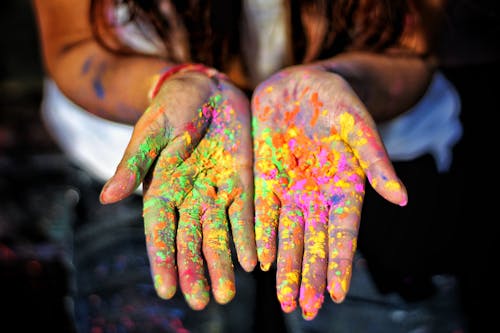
<point>197,174</point>
<point>108,85</point>
<point>308,199</point>
<point>314,144</point>
<point>166,130</point>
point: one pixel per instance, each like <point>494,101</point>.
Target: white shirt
<point>97,145</point>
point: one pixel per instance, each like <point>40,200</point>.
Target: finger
<point>171,178</point>
<point>314,266</point>
<point>266,203</point>
<point>189,260</point>
<point>342,231</point>
<point>266,222</point>
<point>346,199</point>
<point>160,229</point>
<point>290,251</point>
<point>361,134</point>
<point>151,135</point>
<point>217,253</point>
<point>241,191</point>
<point>241,217</point>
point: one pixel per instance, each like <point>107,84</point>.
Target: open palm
<point>192,150</point>
<point>314,143</point>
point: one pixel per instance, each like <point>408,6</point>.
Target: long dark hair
<point>319,28</point>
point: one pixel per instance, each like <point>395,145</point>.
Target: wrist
<point>180,68</point>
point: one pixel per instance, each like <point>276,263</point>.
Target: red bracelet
<point>210,72</point>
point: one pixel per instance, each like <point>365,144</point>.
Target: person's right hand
<point>192,150</point>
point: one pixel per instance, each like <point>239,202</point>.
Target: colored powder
<point>207,178</point>
<point>299,160</point>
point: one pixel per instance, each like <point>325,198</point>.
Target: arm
<point>388,84</point>
<point>110,86</point>
<point>191,149</point>
<point>316,141</point>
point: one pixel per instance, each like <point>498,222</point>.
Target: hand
<point>192,148</point>
<point>314,143</point>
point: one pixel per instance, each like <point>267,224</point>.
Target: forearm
<point>387,84</point>
<point>107,85</point>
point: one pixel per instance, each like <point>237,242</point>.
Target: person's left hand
<point>314,143</point>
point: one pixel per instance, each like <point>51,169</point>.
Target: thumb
<point>363,138</point>
<point>151,135</point>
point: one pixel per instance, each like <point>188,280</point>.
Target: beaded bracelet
<point>210,72</point>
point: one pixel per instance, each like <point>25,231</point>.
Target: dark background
<point>37,199</point>
<point>40,196</point>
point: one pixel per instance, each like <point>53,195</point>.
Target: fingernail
<point>197,304</point>
<point>199,296</point>
<point>104,196</point>
<point>248,264</point>
<point>164,290</point>
<point>288,305</point>
<point>397,188</point>
<point>404,199</point>
<point>308,314</point>
<point>117,187</point>
<point>224,291</point>
<point>338,291</point>
<point>265,267</point>
<point>111,192</point>
<point>310,301</point>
